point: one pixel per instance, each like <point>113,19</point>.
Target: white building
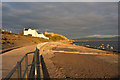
<point>34,33</point>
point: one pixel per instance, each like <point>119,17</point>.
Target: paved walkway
<point>65,65</point>
<point>10,58</point>
<point>70,65</point>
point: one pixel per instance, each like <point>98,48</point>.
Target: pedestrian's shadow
<point>44,68</point>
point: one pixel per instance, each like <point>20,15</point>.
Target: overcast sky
<point>59,0</point>
<point>74,20</point>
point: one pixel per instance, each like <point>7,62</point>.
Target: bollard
<point>26,65</point>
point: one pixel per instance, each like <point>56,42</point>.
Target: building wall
<point>34,34</point>
<point>42,36</point>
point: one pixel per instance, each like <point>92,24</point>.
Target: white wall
<point>34,34</point>
<point>42,36</point>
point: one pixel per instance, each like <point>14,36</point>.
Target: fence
<point>35,67</point>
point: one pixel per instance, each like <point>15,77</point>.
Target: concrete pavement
<point>10,58</point>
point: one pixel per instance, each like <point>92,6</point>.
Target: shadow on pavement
<point>44,68</point>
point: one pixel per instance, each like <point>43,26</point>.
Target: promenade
<point>10,58</point>
<point>70,61</point>
<point>63,60</point>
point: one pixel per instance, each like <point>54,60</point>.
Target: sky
<point>71,19</point>
<point>59,0</point>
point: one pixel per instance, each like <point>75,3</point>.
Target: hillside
<point>10,40</point>
<point>55,37</point>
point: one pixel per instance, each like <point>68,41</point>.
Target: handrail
<point>25,72</point>
<point>32,68</point>
<point>18,67</point>
<point>35,70</point>
<point>10,74</point>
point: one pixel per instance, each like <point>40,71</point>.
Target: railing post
<point>19,70</point>
<point>26,66</point>
<point>35,63</point>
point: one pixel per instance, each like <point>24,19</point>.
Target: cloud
<point>72,19</point>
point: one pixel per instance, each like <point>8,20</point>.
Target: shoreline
<point>115,52</point>
<point>107,51</point>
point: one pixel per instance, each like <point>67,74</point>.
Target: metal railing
<point>34,67</point>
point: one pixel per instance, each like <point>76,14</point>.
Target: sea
<point>105,45</point>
